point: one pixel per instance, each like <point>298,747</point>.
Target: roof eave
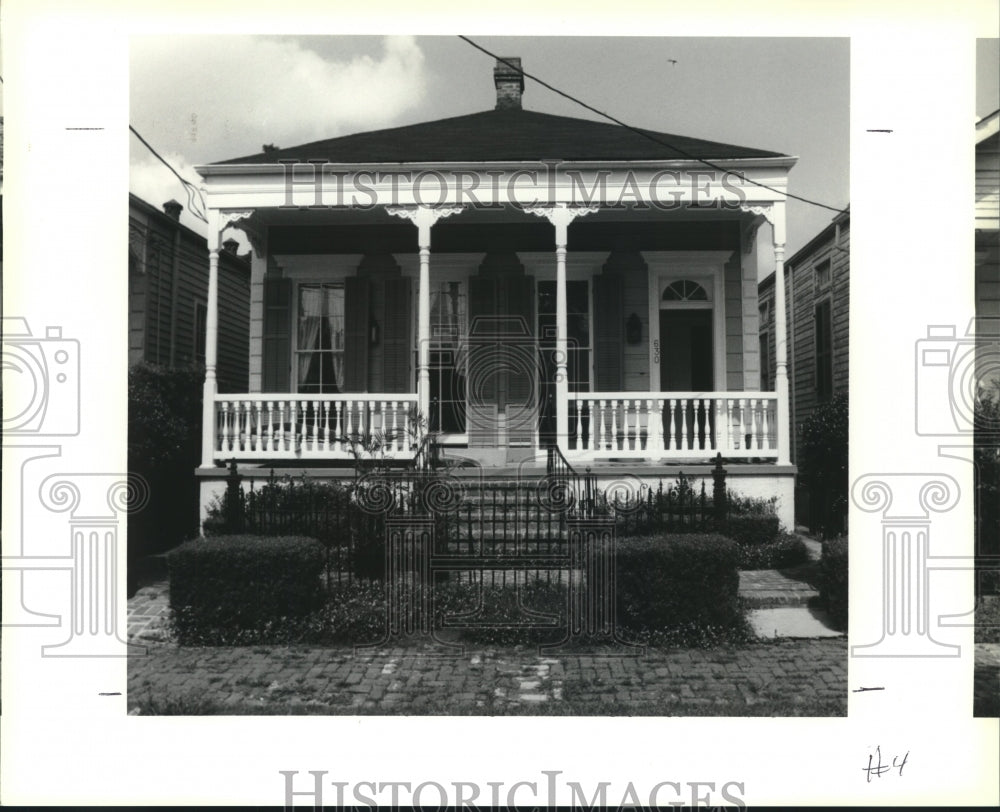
<point>774,162</point>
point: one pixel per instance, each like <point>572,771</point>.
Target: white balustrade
<point>249,426</point>
<point>673,425</point>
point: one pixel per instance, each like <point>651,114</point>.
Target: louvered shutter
<point>397,335</point>
<point>522,369</point>
<point>276,360</point>
<point>609,320</point>
<point>356,320</point>
<point>482,303</point>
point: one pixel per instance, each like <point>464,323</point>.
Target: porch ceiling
<point>343,230</point>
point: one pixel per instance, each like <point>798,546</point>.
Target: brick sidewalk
<point>403,681</point>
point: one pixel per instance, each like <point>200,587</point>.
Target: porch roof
<point>505,135</point>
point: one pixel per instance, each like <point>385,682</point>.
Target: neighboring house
<point>443,276</point>
<point>988,243</point>
<point>168,296</point>
<point>817,300</point>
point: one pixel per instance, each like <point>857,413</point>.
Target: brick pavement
<point>483,681</point>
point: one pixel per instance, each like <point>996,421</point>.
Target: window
<point>577,331</point>
<point>824,351</point>
<point>822,275</point>
<point>200,331</point>
<point>766,384</point>
<point>765,313</point>
<point>320,339</point>
<point>449,325</point>
<point>684,290</point>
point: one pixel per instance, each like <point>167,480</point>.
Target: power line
<point>196,203</point>
<point>643,133</point>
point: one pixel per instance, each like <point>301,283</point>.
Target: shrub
<point>822,460</point>
<point>833,580</point>
<point>164,446</point>
<point>751,505</point>
<point>240,589</point>
<point>987,482</point>
<point>751,531</point>
<point>784,551</point>
<point>679,589</point>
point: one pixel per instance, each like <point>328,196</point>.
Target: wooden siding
<point>162,309</point>
<point>988,183</point>
<point>801,298</point>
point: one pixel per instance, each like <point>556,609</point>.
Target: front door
<point>503,377</point>
<point>687,365</point>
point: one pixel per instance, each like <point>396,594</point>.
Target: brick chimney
<point>173,209</point>
<point>510,83</point>
<point>231,246</point>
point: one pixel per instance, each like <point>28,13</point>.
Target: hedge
<point>785,551</point>
<point>833,580</point>
<point>239,589</point>
<point>751,530</point>
<point>679,588</point>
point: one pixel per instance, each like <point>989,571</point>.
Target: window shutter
<point>397,335</point>
<point>608,332</point>
<point>517,293</point>
<point>482,302</point>
<point>276,363</point>
<point>356,320</point>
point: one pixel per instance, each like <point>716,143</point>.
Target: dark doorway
<point>687,365</point>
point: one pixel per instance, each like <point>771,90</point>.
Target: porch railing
<point>262,426</point>
<point>672,425</point>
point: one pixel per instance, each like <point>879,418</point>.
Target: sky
<point>788,95</point>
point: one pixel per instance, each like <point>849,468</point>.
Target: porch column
<point>423,217</point>
<point>780,334</point>
<point>561,215</point>
<point>211,387</point>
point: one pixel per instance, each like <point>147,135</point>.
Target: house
<point>817,301</point>
<point>505,280</point>
<point>168,296</point>
<point>987,242</point>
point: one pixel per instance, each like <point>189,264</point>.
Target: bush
<point>833,580</point>
<point>784,551</point>
<point>752,531</point>
<point>987,483</point>
<point>241,589</point>
<point>164,447</point>
<point>680,589</point>
<point>822,460</point>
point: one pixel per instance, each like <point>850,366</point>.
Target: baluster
<point>370,427</point>
<point>268,430</point>
<point>765,428</point>
<point>349,419</point>
<point>294,438</point>
<point>754,436</point>
<point>614,424</point>
<point>396,441</point>
<point>254,425</point>
<point>684,443</point>
<point>326,426</point>
<point>706,423</point>
<point>765,440</point>
<point>598,431</point>
<point>669,431</point>
<point>717,432</point>
<point>654,426</point>
<point>743,424</point>
<point>632,425</point>
<point>338,434</point>
<point>578,444</point>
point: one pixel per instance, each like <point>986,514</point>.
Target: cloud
<point>213,98</point>
<point>199,99</point>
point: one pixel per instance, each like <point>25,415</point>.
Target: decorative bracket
<point>423,217</point>
<point>561,215</point>
<point>246,221</point>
